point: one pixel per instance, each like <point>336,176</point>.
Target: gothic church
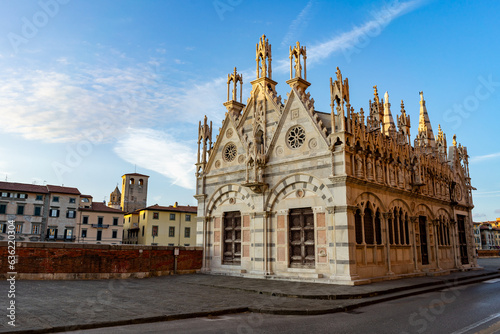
<point>288,192</point>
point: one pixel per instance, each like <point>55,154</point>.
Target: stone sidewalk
<point>57,306</point>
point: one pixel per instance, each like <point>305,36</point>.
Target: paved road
<point>464,309</point>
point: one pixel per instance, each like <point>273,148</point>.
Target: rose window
<point>230,152</point>
<point>296,136</point>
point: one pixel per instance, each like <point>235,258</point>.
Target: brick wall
<point>88,261</point>
<point>488,253</point>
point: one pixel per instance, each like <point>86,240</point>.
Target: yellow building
<point>161,225</point>
<point>131,228</point>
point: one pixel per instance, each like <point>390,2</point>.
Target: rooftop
<point>177,208</point>
<point>101,207</point>
<point>25,187</point>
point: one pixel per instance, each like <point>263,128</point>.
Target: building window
<point>115,221</point>
<point>232,238</point>
<point>187,232</point>
<point>85,220</point>
<point>19,228</point>
<point>35,229</point>
<point>144,215</point>
<point>99,235</point>
<point>55,199</point>
<point>3,227</point>
<point>5,194</point>
<point>143,231</point>
<point>71,214</point>
<point>38,211</point>
<point>171,231</point>
<point>85,200</point>
<point>296,137</point>
<point>188,218</point>
<point>156,215</point>
<point>358,227</point>
<point>84,233</point>
<point>115,234</point>
<point>154,231</point>
<point>399,233</point>
<point>72,200</point>
<point>230,152</point>
<point>141,182</point>
<point>20,209</point>
<point>132,181</point>
<point>68,233</point>
<point>100,220</point>
<point>172,216</point>
<point>54,213</point>
<point>39,197</point>
<point>23,196</point>
<point>52,233</point>
<point>301,233</point>
<point>3,208</point>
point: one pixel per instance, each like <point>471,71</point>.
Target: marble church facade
<point>288,192</point>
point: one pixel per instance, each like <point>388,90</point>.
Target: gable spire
<point>264,58</point>
<point>425,134</point>
<point>388,126</point>
<point>233,106</point>
<point>264,70</point>
<point>339,94</point>
<point>404,123</point>
<point>296,78</point>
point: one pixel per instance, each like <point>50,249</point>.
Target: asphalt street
<point>458,310</point>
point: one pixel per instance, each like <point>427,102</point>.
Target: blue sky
<point>90,90</point>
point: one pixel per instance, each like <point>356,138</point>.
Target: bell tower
<point>134,191</point>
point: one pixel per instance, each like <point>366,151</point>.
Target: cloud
<point>59,106</point>
<point>160,152</point>
<point>486,194</point>
<point>67,105</point>
<point>349,39</point>
<point>297,25</point>
<point>486,157</point>
<point>497,211</point>
<point>478,215</point>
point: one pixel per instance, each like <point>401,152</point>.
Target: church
<point>286,191</point>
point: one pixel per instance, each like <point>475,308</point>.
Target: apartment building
<point>63,213</point>
<point>26,205</point>
<point>100,224</point>
<point>162,225</point>
<point>40,213</point>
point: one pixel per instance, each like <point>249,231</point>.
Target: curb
<point>358,295</point>
<point>135,321</point>
<point>421,288</point>
<point>440,286</point>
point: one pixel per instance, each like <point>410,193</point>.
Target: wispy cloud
<point>348,40</point>
<point>160,152</point>
<point>297,25</point>
<point>65,104</point>
<point>481,158</point>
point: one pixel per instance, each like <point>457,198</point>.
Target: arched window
<point>368,226</point>
<point>396,227</point>
<point>390,221</point>
<point>378,228</point>
<point>407,231</point>
<point>141,182</point>
<point>401,228</point>
<point>132,181</point>
<point>358,227</point>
